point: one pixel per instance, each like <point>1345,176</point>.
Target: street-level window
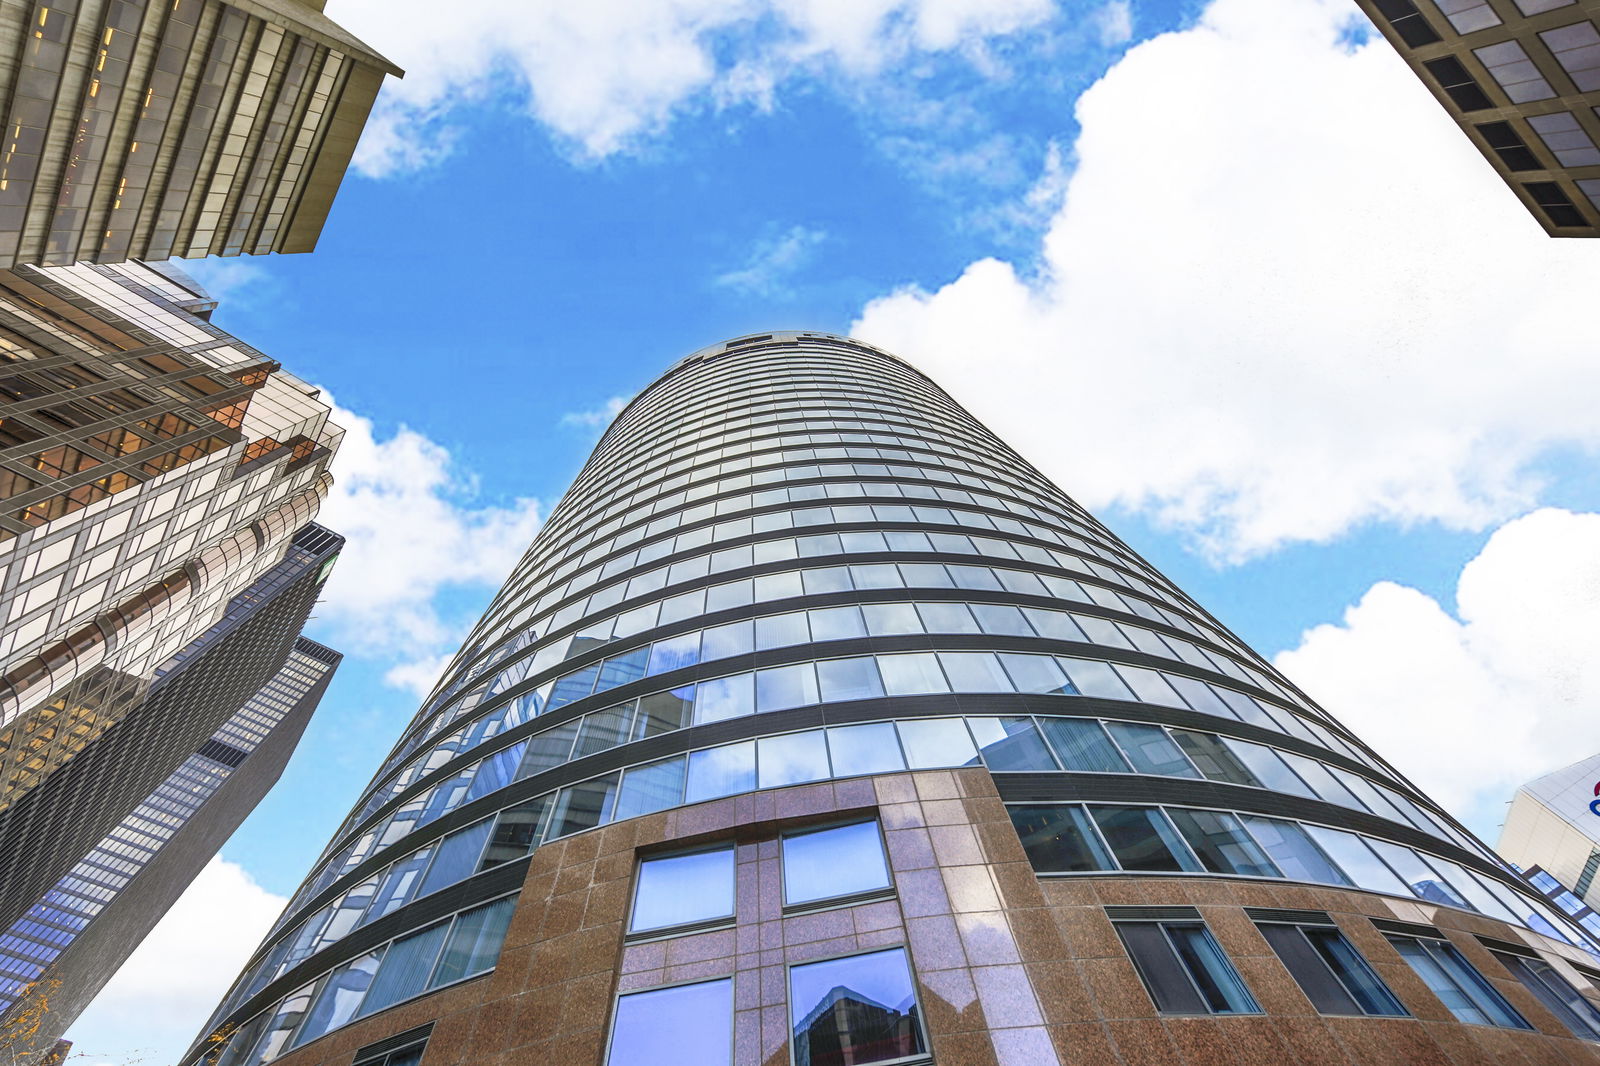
<point>1329,970</point>
<point>1184,968</point>
<point>1460,987</point>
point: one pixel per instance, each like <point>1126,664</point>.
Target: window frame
<point>1176,958</point>
<point>728,979</point>
<point>921,1057</point>
<point>1431,945</point>
<point>1332,927</point>
<point>850,899</point>
<point>700,925</point>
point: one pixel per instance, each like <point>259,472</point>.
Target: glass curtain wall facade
<point>76,936</point>
<point>809,719</point>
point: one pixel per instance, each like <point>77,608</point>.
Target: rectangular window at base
<point>1184,968</point>
<point>1330,971</point>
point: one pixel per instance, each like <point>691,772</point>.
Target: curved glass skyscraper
<point>817,727</point>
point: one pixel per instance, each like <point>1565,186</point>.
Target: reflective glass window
<point>849,679</point>
<point>1150,750</point>
<point>339,997</point>
<point>1221,843</point>
<point>724,697</point>
<point>931,742</point>
<point>405,968</point>
<point>947,618</point>
<point>1267,768</point>
<point>662,712</point>
<point>683,1025</point>
<point>1036,673</point>
<point>912,674</point>
<point>1330,971</point>
<point>974,671</point>
<point>473,945</point>
<point>721,771</point>
<point>724,642</point>
<point>783,687</point>
<point>855,1010</point>
<point>683,890</point>
<point>1213,758</point>
<point>1360,865</point>
<point>1059,838</point>
<point>1293,851</point>
<point>873,748</point>
<point>1093,678</point>
<point>1464,991</point>
<point>1082,745</point>
<point>651,787</point>
<point>1184,968</point>
<point>1010,744</point>
<point>1142,839</point>
<point>791,758</point>
<point>843,860</point>
<point>457,857</point>
<point>782,630</point>
<point>516,832</point>
<point>582,806</point>
<point>891,619</point>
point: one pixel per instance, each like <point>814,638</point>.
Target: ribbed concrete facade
<point>817,727</point>
<point>137,129</point>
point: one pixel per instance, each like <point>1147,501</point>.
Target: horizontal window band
<point>1059,787</point>
<point>463,895</point>
<point>850,712</point>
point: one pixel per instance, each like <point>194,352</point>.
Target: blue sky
<point>1224,270</point>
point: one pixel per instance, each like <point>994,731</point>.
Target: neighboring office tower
<point>1522,77</point>
<point>155,128</point>
<point>71,942</point>
<point>151,467</point>
<point>1552,832</point>
<point>843,736</point>
<point>194,693</point>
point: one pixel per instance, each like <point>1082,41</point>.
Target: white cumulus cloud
<point>1472,702</point>
<point>1283,296</point>
<point>415,528</point>
<point>604,73</point>
<point>163,994</point>
<point>598,417</point>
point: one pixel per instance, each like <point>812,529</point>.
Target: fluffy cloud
<point>1283,296</point>
<point>414,530</point>
<point>161,996</point>
<point>1473,703</point>
<point>603,73</point>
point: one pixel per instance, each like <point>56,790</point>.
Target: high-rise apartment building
<point>1522,78</point>
<point>59,945</point>
<point>156,568</point>
<point>817,727</point>
<point>151,466</point>
<point>143,129</point>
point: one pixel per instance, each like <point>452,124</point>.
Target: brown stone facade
<point>1012,970</point>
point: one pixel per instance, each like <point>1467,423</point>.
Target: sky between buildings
<point>1223,270</point>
